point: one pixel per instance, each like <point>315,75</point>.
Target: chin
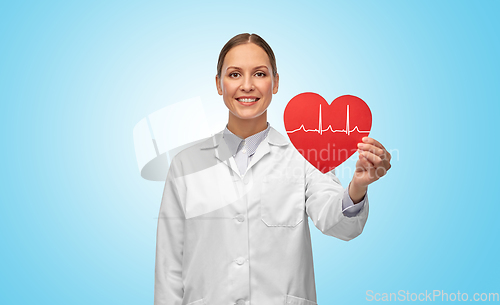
<point>243,113</point>
<point>248,116</point>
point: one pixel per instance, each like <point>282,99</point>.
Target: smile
<point>247,100</point>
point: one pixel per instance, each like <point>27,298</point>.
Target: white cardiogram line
<point>320,129</point>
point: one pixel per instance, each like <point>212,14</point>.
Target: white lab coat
<point>224,238</point>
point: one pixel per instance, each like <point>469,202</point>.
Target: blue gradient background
<point>78,223</point>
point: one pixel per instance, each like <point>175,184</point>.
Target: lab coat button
<point>240,260</point>
<point>240,302</point>
<point>240,218</point>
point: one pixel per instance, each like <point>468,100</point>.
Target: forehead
<point>247,55</point>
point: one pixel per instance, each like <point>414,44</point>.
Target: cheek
<point>228,88</point>
<point>267,87</point>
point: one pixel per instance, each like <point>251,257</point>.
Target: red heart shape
<point>326,135</point>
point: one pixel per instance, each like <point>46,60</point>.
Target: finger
<point>380,172</point>
<point>372,148</point>
<point>380,151</point>
<point>372,141</point>
<point>364,162</point>
<point>373,158</point>
<point>359,166</point>
<point>380,169</point>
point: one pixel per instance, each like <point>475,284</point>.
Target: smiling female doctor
<point>233,224</point>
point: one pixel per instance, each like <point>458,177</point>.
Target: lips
<point>247,99</point>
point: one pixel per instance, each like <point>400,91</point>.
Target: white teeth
<point>247,100</point>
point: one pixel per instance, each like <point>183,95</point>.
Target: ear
<point>276,83</point>
<point>217,83</point>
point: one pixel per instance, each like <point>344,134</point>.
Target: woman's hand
<point>373,163</point>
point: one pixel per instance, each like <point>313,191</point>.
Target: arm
<point>169,243</point>
<point>324,196</point>
<point>373,163</point>
<point>349,207</point>
<point>326,202</point>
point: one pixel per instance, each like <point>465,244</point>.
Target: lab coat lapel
<point>273,138</point>
<point>221,152</point>
<point>262,150</point>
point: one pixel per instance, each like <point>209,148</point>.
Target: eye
<point>234,74</point>
<point>260,74</point>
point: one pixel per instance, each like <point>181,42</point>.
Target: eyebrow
<point>258,67</point>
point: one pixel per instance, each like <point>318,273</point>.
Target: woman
<point>233,225</point>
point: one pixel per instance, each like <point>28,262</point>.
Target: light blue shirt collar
<point>235,143</point>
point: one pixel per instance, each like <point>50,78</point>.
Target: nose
<point>247,84</point>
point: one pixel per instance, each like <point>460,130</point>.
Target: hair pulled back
<point>244,39</point>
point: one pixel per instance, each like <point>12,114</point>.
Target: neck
<point>244,128</point>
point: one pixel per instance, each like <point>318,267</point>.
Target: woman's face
<point>247,83</point>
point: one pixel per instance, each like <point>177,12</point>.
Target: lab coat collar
<point>276,138</point>
<point>222,152</point>
<point>273,138</point>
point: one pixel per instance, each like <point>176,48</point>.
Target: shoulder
<point>196,149</point>
<point>196,156</point>
<point>282,143</point>
<point>275,137</point>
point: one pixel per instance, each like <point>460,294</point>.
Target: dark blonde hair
<point>243,39</point>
